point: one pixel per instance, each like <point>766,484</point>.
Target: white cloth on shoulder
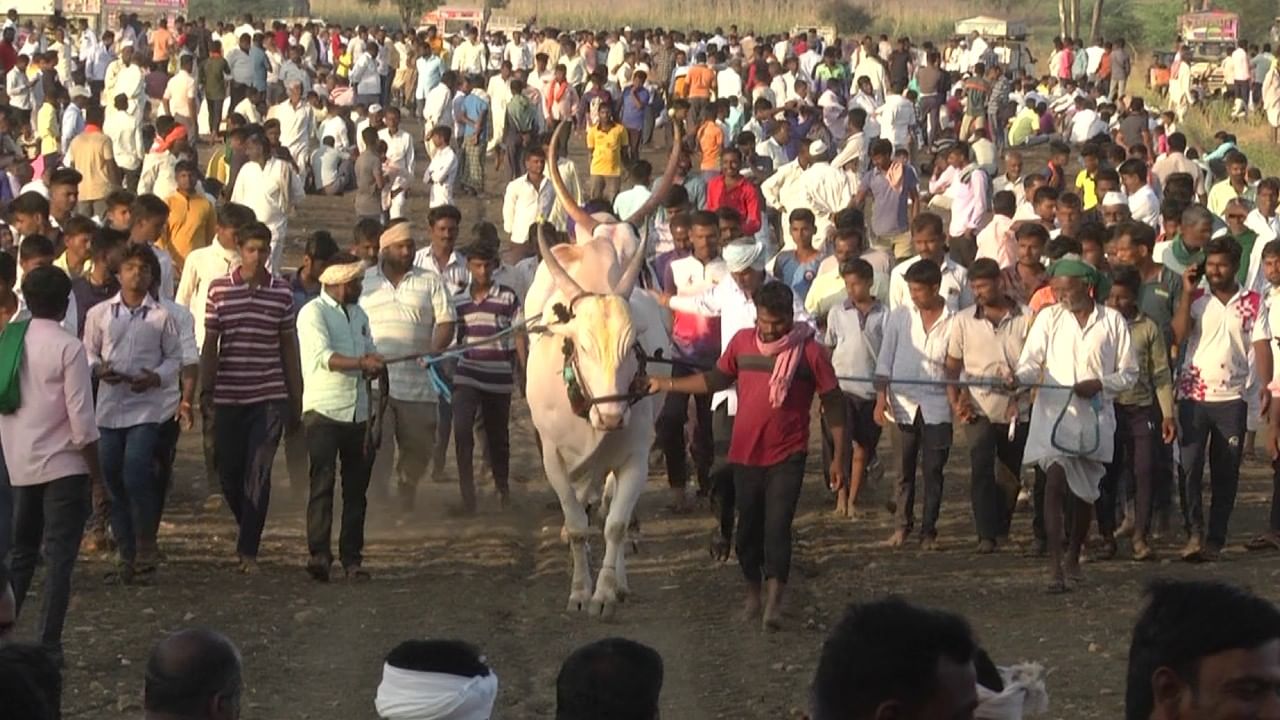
<point>1024,694</point>
<point>411,695</point>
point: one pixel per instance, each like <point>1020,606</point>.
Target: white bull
<point>597,331</point>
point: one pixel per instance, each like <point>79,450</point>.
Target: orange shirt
<point>702,80</point>
<point>710,144</point>
<point>160,41</point>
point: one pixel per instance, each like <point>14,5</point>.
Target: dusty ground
<point>501,581</point>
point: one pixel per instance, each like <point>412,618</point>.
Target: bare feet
<point>842,503</point>
<point>1142,552</point>
<point>1071,567</point>
<point>772,620</point>
<point>986,547</point>
<point>751,606</point>
<point>897,540</point>
<point>1192,550</point>
<point>929,543</point>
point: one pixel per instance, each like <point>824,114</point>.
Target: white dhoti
<point>1079,441</point>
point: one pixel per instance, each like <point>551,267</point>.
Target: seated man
<point>610,678</point>
<point>436,680</point>
<point>890,658</point>
<point>1203,650</point>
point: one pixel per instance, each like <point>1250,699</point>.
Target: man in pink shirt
<point>51,448</point>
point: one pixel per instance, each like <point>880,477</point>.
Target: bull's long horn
<point>564,281</point>
<point>664,185</point>
<point>571,206</point>
<point>632,272</point>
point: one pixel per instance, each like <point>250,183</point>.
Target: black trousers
<point>1132,465</point>
<point>52,516</point>
<point>722,482</point>
<point>766,500</point>
<point>215,114</point>
<point>671,424</point>
<point>246,438</point>
<point>1216,429</point>
<point>494,410</point>
<point>330,442</point>
<point>165,456</point>
<point>1275,497</point>
<point>931,443</point>
<point>990,449</point>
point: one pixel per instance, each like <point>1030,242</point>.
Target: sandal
<point>1057,587</point>
<point>1264,542</point>
<point>355,573</point>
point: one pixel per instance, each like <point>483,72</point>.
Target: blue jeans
<point>128,469</point>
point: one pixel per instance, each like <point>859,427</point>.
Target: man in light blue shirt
<point>338,355</point>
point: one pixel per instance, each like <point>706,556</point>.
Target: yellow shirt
<point>61,263</point>
<point>606,149</point>
<point>47,128</point>
<point>191,225</point>
<point>1088,190</point>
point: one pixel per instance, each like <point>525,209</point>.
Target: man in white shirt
<point>330,168</point>
<point>180,95</point>
<point>97,57</point>
<point>438,108</point>
<point>126,139</point>
<point>897,116</point>
<point>517,53</point>
<point>1086,123</point>
<point>127,80</point>
<point>1265,221</point>
<point>470,57</point>
<point>528,199</point>
<point>1144,204</point>
<point>1241,77</point>
<point>1220,327</point>
<point>297,123</point>
<point>134,350</point>
<point>729,80</point>
<point>400,154</point>
<point>916,337</point>
<point>930,242</point>
<point>1083,348</point>
<point>17,87</point>
<point>874,70</point>
<point>271,188</point>
<point>442,170</point>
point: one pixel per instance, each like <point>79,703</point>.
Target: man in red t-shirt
<point>778,367</point>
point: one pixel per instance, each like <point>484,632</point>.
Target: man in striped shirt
<point>250,374</point>
<point>484,378</point>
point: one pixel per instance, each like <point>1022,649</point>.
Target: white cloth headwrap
<point>410,695</point>
<point>742,254</point>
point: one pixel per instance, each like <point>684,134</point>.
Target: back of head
<point>611,679</point>
<point>30,683</point>
<point>887,651</point>
<point>435,679</point>
<point>191,674</point>
<point>1184,623</point>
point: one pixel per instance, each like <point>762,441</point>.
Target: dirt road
<point>501,580</point>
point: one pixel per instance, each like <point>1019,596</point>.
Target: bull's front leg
<point>612,587</point>
<point>575,527</point>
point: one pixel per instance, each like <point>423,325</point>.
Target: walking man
<point>338,355</point>
<point>1081,345</point>
<point>249,374</point>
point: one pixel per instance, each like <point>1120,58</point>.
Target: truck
<point>1209,37</point>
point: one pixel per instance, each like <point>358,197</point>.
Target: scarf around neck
<point>786,352</point>
<point>1183,254</point>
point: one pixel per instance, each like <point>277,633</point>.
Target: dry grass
<point>1253,135</point>
<point>891,16</point>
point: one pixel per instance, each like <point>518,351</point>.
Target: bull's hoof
<point>603,610</point>
<point>578,602</point>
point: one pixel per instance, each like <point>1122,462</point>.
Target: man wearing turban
<point>1081,351</point>
<point>436,680</point>
<point>338,355</point>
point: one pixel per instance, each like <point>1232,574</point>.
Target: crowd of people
<point>851,219</point>
<point>1198,650</point>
